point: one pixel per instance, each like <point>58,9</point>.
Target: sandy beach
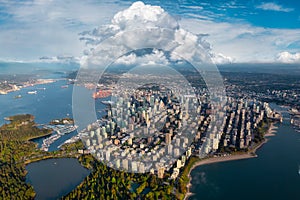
<point>211,160</point>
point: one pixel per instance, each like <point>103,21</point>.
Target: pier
<point>60,131</point>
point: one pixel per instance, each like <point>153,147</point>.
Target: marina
<point>60,131</point>
<point>70,141</point>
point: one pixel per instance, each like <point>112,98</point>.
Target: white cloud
<point>243,42</point>
<point>49,27</point>
<point>221,59</point>
<point>287,57</point>
<point>192,7</point>
<point>143,26</point>
<point>38,28</point>
<point>137,16</point>
<point>273,7</point>
<point>156,57</point>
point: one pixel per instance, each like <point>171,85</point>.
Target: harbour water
<point>54,178</point>
<point>272,175</point>
<point>50,178</point>
<point>53,102</point>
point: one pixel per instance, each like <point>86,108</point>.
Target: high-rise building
<point>88,142</point>
<point>189,152</point>
<point>107,155</point>
<point>179,164</point>
<point>161,171</point>
<point>168,138</point>
<point>129,141</point>
<point>141,167</point>
<point>170,149</point>
<point>92,133</point>
<point>134,166</point>
<point>125,164</point>
<point>176,152</point>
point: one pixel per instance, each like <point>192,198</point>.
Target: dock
<point>60,131</point>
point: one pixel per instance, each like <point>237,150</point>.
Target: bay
<point>52,101</point>
<point>272,175</point>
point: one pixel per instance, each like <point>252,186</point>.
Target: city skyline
<point>149,99</point>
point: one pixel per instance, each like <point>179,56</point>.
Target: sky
<point>239,31</point>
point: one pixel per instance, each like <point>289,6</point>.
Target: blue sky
<point>244,30</point>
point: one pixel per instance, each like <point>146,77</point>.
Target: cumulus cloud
<point>145,26</point>
<point>137,16</point>
<point>156,57</point>
<point>287,57</point>
<point>221,59</point>
<point>274,7</point>
<point>244,42</point>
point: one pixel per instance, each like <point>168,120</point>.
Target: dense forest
<point>16,151</point>
<point>107,183</point>
<point>21,128</point>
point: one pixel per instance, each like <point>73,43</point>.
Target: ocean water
<point>272,175</point>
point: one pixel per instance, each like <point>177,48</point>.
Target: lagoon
<point>53,178</point>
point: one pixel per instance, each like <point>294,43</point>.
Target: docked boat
<point>60,130</point>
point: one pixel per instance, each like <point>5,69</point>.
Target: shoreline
<point>212,160</point>
<point>247,155</point>
<point>26,85</point>
<point>38,137</point>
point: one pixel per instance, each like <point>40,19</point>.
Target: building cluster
<point>15,85</point>
<point>277,89</point>
<point>157,131</point>
<point>148,131</point>
<point>240,118</point>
